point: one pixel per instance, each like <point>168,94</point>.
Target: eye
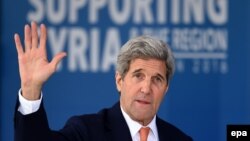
<point>158,79</point>
<point>138,75</point>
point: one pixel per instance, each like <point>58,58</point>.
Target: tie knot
<point>144,133</point>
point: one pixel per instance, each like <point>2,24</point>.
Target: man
<point>144,69</point>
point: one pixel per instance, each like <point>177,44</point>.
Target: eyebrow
<point>136,71</point>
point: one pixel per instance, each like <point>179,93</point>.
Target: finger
<point>27,38</point>
<point>43,38</point>
<point>34,35</point>
<point>19,47</point>
<point>57,59</point>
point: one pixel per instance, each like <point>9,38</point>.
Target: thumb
<point>57,58</point>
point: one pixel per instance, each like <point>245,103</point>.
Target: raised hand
<point>34,67</point>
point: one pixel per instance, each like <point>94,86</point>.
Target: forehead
<point>150,65</point>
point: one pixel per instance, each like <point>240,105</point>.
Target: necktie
<point>144,133</point>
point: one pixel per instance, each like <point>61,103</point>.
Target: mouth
<point>143,102</point>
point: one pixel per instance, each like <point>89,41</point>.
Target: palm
<point>34,67</point>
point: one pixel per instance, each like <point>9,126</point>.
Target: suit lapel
<point>116,126</point>
<point>162,131</point>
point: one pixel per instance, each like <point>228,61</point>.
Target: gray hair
<point>145,47</point>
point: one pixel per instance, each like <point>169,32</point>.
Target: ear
<point>166,89</point>
<point>118,80</point>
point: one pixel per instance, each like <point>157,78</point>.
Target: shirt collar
<point>134,126</point>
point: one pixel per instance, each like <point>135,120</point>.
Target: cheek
<point>130,92</point>
<point>126,92</point>
<point>158,97</point>
<point>128,87</point>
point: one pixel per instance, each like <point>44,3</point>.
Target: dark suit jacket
<point>107,125</point>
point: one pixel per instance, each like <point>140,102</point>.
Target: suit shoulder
<point>85,127</point>
<point>92,120</point>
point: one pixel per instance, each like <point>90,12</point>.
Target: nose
<point>146,86</point>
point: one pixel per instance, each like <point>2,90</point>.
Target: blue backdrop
<point>209,38</point>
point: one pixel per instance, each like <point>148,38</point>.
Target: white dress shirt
<point>27,107</point>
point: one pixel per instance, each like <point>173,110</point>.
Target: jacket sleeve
<point>34,127</point>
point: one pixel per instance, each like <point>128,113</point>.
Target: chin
<point>142,117</point>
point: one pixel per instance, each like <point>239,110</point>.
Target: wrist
<point>31,92</point>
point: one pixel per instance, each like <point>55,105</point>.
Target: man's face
<point>143,88</point>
